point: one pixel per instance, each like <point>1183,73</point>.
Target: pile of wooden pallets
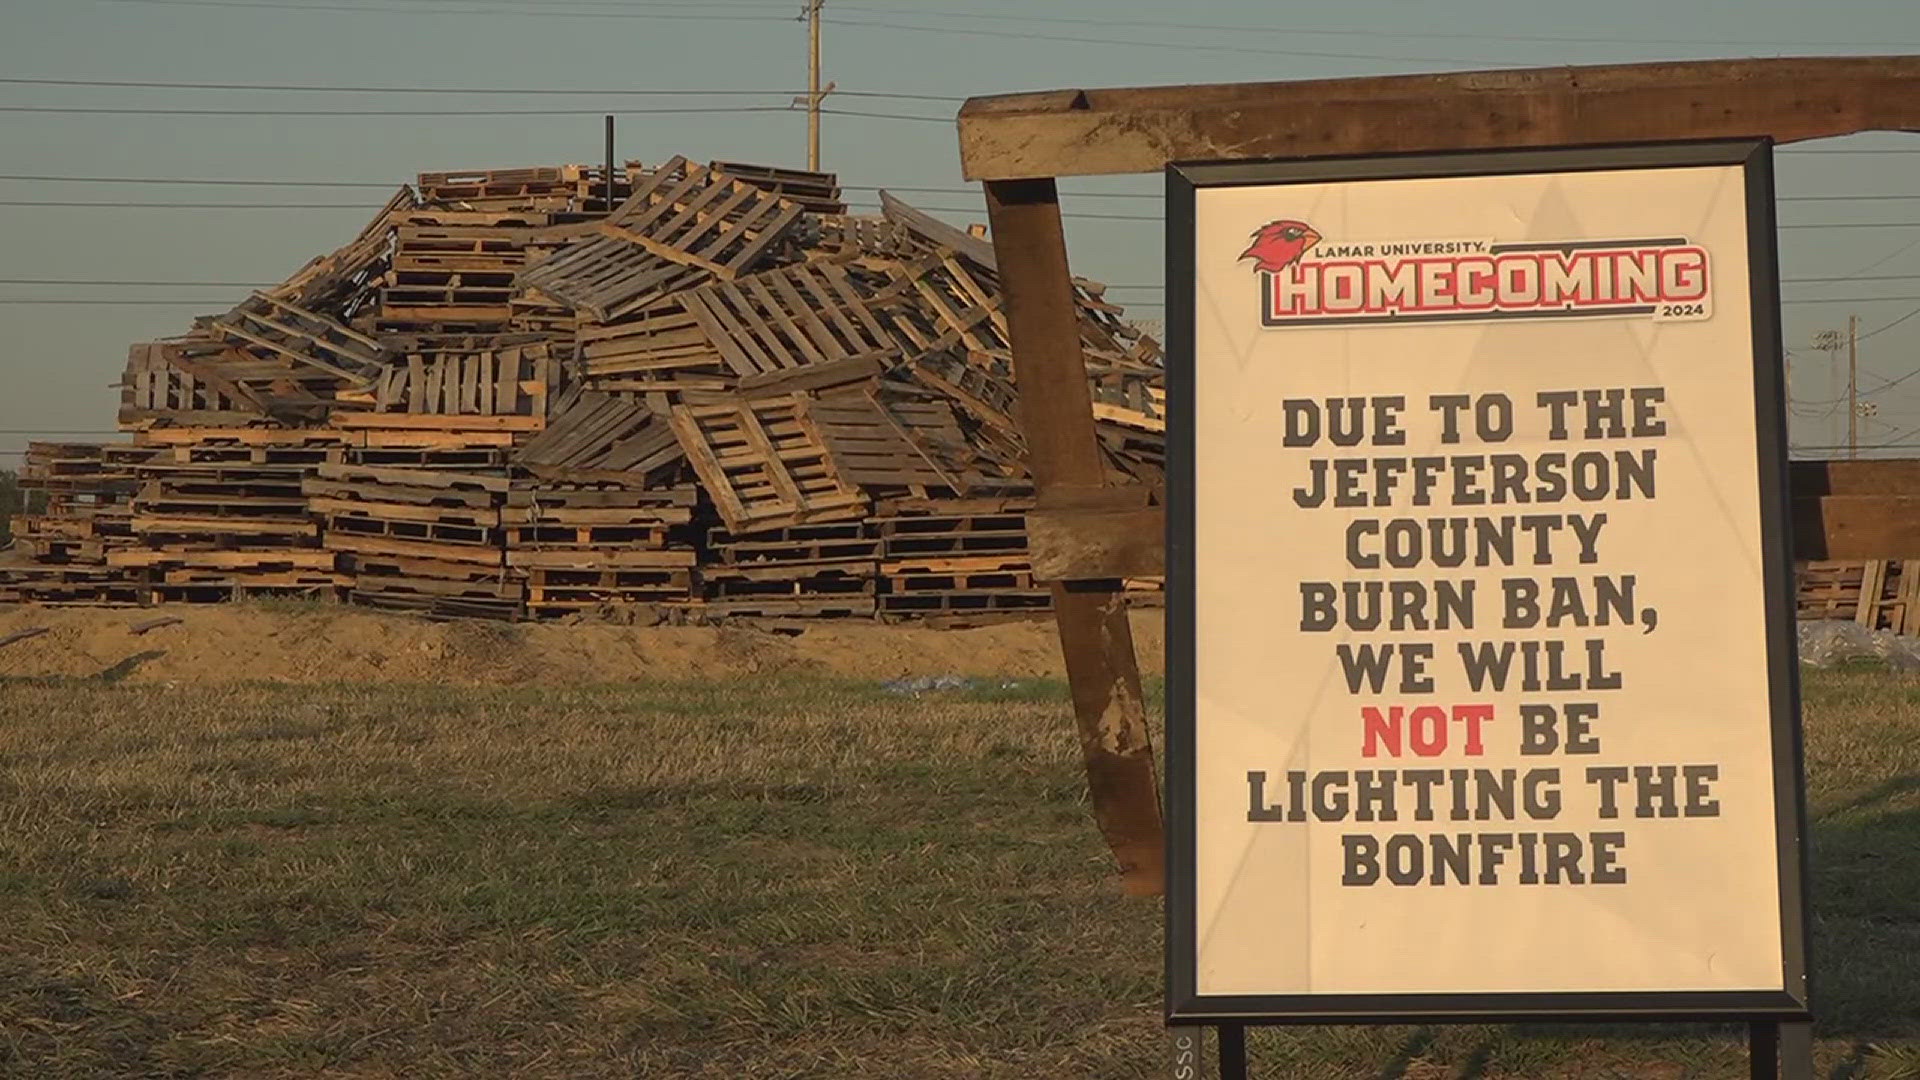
<point>717,394</point>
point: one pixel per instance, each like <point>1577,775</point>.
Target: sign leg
<point>1796,1051</point>
<point>1763,1050</point>
<point>1233,1052</point>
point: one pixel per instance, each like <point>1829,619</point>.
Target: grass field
<point>771,879</point>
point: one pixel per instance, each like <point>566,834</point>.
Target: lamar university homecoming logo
<point>1307,281</point>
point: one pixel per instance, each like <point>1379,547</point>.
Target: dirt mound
<point>300,644</point>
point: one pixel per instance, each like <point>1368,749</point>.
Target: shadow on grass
<point>1865,915</point>
<point>1410,1051</point>
<point>106,677</point>
<point>127,667</point>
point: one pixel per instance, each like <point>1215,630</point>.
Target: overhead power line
<point>102,281</point>
<point>770,15</point>
<point>1889,326</point>
<point>1849,277</point>
<point>189,206</point>
<point>501,90</point>
<point>83,110</point>
<point>220,182</point>
<point>1300,31</point>
<point>1185,46</point>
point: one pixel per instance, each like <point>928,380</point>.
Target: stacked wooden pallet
<point>807,570</point>
<point>583,546</point>
<point>1879,595</point>
<point>957,561</point>
<point>510,395</point>
<point>602,508</point>
<point>214,524</point>
<point>417,539</point>
<point>88,488</point>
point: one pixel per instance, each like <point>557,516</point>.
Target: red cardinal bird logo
<point>1280,244</point>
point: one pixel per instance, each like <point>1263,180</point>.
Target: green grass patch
<point>781,878</point>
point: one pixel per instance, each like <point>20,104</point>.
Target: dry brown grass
<point>768,879</point>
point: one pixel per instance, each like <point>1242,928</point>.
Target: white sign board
<point>1481,675</point>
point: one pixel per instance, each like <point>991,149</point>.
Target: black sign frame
<point>1183,1003</point>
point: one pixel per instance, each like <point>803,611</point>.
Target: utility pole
<point>1853,386</point>
<point>813,85</point>
<point>815,92</point>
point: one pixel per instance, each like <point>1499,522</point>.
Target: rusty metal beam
<point>1136,130</point>
<point>1056,414</point>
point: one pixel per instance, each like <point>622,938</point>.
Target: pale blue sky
<point>58,359</point>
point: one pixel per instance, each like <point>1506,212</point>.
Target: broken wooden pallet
<point>763,464</point>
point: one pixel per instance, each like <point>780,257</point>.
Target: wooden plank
<point>436,421</point>
<point>1138,130</point>
<point>1910,597</point>
<point>1056,413</point>
<point>1894,476</point>
<point>1089,544</point>
<point>1856,527</point>
<point>23,634</point>
<point>1873,578</point>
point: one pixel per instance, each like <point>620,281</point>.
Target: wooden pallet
<point>70,585</point>
<point>536,501</point>
<point>446,243</point>
<point>409,563</point>
<point>379,481</point>
<point>796,316</point>
<point>614,557</point>
<point>959,308</point>
<point>556,591</point>
<point>165,381</point>
<point>456,457</point>
<point>763,464</point>
<point>836,577</point>
<point>858,237</point>
<point>853,606</point>
<point>362,549</point>
<point>664,349</point>
<point>798,544</point>
<point>289,332</point>
<point>894,445</point>
<point>925,536</point>
<point>517,190</point>
<point>451,584</point>
<point>976,387</point>
<point>439,608</point>
<point>814,192</point>
<point>623,534</point>
<point>1880,594</point>
<point>228,560</point>
<point>683,225</point>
